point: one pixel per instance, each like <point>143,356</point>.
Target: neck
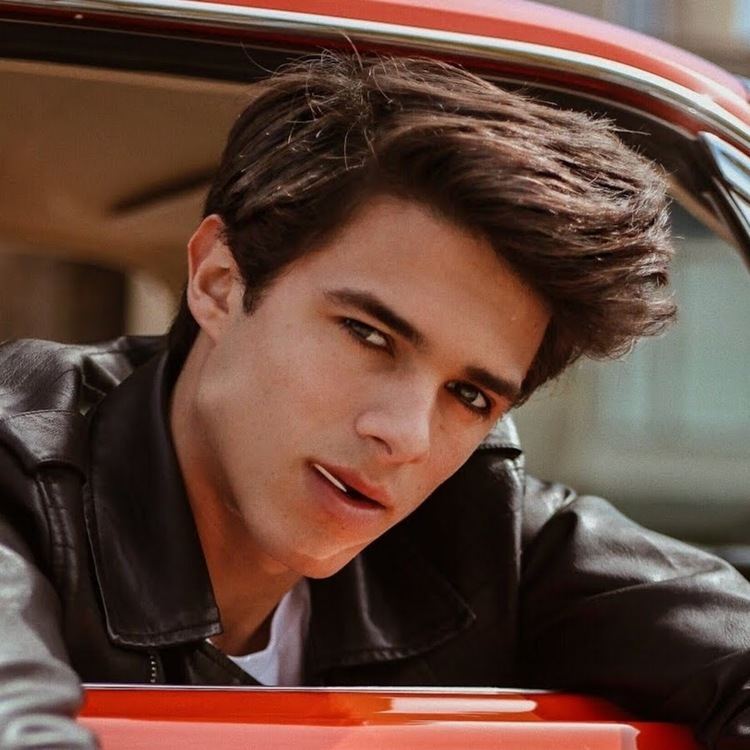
<point>247,584</point>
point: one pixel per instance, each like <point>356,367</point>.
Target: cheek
<point>294,378</point>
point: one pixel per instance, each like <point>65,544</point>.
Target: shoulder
<point>471,519</point>
<point>46,389</point>
<point>40,375</point>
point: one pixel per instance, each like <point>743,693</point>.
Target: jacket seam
<point>352,656</point>
<point>157,638</point>
<point>490,446</point>
<point>120,349</point>
<point>59,544</point>
<point>516,467</point>
<point>34,412</point>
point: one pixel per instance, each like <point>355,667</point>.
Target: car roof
<point>124,63</point>
<point>491,36</point>
<point>533,23</point>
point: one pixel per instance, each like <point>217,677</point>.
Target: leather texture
<point>496,580</point>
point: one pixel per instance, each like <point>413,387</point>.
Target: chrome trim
<point>731,163</point>
<point>448,692</point>
<point>732,191</point>
<point>425,40</point>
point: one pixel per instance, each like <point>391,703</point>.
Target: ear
<point>214,287</point>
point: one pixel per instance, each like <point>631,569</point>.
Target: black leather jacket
<point>497,580</point>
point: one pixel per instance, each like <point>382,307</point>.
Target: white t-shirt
<point>280,663</point>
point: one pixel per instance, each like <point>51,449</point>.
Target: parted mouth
<point>352,486</point>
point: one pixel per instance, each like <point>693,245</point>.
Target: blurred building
<point>718,30</point>
<point>665,433</point>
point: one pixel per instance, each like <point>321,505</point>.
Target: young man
<point>314,481</point>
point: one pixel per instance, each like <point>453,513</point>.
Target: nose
<point>399,425</point>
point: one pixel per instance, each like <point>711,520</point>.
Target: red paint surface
<point>515,20</point>
<point>328,720</point>
<point>524,21</point>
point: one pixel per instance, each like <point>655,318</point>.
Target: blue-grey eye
<point>469,395</point>
<point>367,334</point>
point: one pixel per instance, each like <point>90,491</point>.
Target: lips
<point>352,486</point>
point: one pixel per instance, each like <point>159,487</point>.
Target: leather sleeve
<point>609,607</point>
<point>39,692</point>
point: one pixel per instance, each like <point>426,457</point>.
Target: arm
<point>39,692</point>
<point>611,608</point>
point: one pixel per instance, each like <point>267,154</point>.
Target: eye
<point>367,334</point>
<point>470,396</point>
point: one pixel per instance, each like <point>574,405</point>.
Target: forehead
<point>447,282</point>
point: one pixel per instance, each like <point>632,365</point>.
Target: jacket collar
<point>389,603</point>
<point>149,563</point>
<point>392,600</point>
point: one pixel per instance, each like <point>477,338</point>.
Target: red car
<point>111,89</point>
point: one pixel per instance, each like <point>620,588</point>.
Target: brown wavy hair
<point>580,216</point>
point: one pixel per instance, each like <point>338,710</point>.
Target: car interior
<point>108,140</point>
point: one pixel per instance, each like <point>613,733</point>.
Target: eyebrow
<point>375,307</point>
<point>502,386</point>
<point>369,303</point>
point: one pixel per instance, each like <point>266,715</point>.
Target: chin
<point>319,567</point>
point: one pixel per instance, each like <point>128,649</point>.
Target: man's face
<point>367,375</point>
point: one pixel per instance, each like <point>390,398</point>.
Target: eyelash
<point>455,385</point>
<point>359,330</point>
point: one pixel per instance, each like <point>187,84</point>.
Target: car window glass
<point>664,433</point>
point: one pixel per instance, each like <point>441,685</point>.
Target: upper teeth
<point>332,479</point>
